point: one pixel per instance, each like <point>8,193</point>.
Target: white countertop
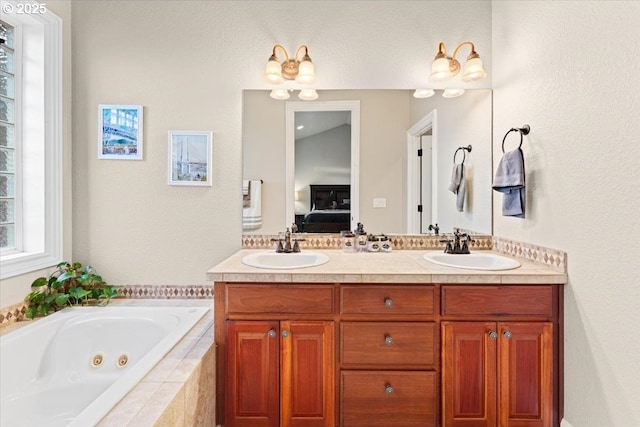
<point>402,266</point>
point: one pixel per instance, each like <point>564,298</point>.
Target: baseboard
<point>565,423</point>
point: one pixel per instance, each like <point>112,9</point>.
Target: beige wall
<point>582,182</point>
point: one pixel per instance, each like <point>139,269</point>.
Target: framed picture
<point>190,157</point>
<point>120,132</point>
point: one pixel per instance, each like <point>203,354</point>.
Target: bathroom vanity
<point>387,339</point>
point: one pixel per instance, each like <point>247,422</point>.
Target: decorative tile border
<point>203,291</point>
<point>14,313</point>
<point>537,254</point>
<point>333,241</point>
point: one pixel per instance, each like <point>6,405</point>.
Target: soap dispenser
<point>361,238</point>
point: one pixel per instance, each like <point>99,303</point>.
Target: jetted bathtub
<point>72,367</point>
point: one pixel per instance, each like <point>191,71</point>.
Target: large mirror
<point>389,178</point>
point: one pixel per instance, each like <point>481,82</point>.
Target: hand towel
<point>246,194</point>
<point>458,185</point>
<point>509,180</point>
<point>252,215</point>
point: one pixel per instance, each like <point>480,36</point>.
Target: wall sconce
<point>301,70</point>
<point>444,66</point>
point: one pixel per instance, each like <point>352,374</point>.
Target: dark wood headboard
<point>323,196</point>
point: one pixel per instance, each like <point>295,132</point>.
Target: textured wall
<point>570,70</point>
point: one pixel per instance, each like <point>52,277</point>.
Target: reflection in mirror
<point>322,151</point>
<point>385,159</point>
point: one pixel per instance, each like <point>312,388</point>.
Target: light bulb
<point>473,70</point>
<point>308,94</point>
<point>279,94</point>
<point>306,73</point>
<point>273,72</point>
<point>423,93</point>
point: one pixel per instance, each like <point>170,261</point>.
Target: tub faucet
<point>435,228</point>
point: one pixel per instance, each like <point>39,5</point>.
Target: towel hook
<point>524,130</point>
<point>464,155</point>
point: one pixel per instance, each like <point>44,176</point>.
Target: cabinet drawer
<point>390,343</point>
<point>277,299</point>
<point>388,398</point>
<point>393,300</point>
<point>497,301</point>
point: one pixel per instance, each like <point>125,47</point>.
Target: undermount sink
<point>473,261</point>
<point>282,261</point>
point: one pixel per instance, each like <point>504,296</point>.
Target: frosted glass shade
<point>308,94</point>
<point>279,94</point>
<point>440,69</point>
<point>306,73</point>
<point>473,70</point>
<point>273,73</point>
<point>452,93</point>
<point>423,93</point>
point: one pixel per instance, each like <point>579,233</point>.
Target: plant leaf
<point>40,281</point>
<point>66,276</point>
<point>61,299</point>
<point>31,312</point>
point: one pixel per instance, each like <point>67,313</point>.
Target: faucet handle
<point>447,249</point>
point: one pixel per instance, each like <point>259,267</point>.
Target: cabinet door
<point>526,374</point>
<point>307,374</point>
<point>252,386</point>
<point>469,374</point>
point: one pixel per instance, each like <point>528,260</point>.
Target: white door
<point>425,182</point>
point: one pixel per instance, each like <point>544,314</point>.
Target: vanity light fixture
<point>301,70</point>
<point>445,67</point>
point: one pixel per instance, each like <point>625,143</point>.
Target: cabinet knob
<point>388,389</point>
<point>388,302</point>
<point>285,333</point>
<point>271,333</point>
<point>388,340</point>
<point>507,334</point>
<point>493,335</point>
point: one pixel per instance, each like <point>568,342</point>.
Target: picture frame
<point>120,133</point>
<point>190,157</point>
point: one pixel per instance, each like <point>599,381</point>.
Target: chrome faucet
<point>458,248</point>
<point>288,244</point>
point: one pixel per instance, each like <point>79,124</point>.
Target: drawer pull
<point>388,302</point>
<point>271,333</point>
<point>388,389</point>
<point>285,333</point>
<point>507,334</point>
<point>388,340</point>
<point>493,335</point>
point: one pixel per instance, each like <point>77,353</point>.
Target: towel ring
<point>524,130</point>
<point>464,154</point>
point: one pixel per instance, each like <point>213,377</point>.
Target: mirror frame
<point>290,142</point>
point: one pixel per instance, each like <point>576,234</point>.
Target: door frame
<point>422,126</point>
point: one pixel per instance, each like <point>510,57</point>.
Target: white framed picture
<point>120,132</point>
<point>190,156</point>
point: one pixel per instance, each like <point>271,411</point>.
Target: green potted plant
<point>70,284</point>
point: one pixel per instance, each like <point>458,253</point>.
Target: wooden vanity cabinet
<point>276,355</point>
<point>385,355</point>
<point>498,364</point>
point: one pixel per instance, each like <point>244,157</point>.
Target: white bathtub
<point>47,367</point>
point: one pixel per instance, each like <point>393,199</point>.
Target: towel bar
<point>524,130</point>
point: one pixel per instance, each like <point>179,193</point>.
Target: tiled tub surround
<point>180,389</point>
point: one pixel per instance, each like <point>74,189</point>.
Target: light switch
<point>379,202</point>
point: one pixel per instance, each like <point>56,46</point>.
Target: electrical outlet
<point>379,202</point>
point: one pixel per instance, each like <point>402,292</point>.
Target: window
<point>30,142</point>
<point>7,138</point>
